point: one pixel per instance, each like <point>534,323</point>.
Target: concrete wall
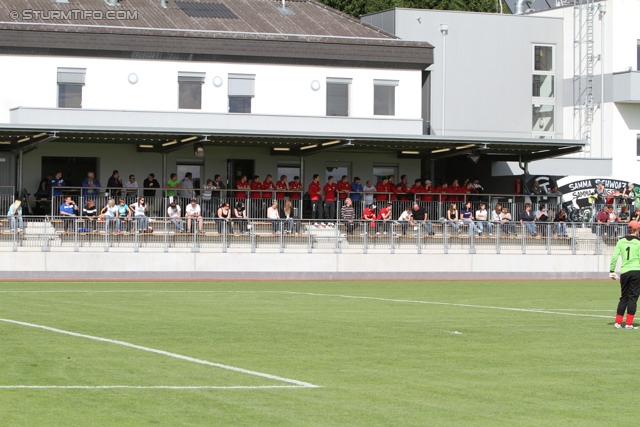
<point>25,265</point>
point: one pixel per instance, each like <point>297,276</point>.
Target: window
<point>190,90</point>
<point>338,97</point>
<point>241,92</point>
<point>543,92</point>
<point>70,83</point>
<point>384,97</point>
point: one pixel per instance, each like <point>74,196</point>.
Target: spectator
<point>270,188</point>
<point>316,199</point>
<point>495,213</point>
<point>403,189</point>
<point>186,192</point>
<point>114,184</point>
<point>90,213</point>
<point>600,197</point>
<point>538,191</point>
<point>393,189</point>
<point>175,215</point>
<point>295,193</point>
<point>417,190</point>
<point>207,200</point>
<point>140,210</point>
<point>428,191</point>
<point>476,184</point>
<point>369,214</point>
<point>466,215</point>
<point>240,216</point>
<point>482,216</point>
<point>385,215</point>
<point>356,195</point>
<point>193,213</point>
<point>507,222</point>
<point>343,187</point>
<point>219,194</point>
<point>68,210</point>
<point>632,193</point>
<point>109,214</point>
<point>542,215</point>
<point>527,219</point>
<point>15,213</point>
<point>124,216</point>
<point>56,183</point>
<point>555,197</point>
<point>605,216</point>
<point>421,218</point>
<point>368,191</point>
<point>90,185</point>
<point>348,215</point>
<point>224,218</point>
<point>329,191</point>
<point>561,223</point>
<point>623,219</point>
<point>282,188</point>
<point>131,187</point>
<point>453,219</point>
<point>243,187</point>
<point>382,190</point>
<point>172,184</point>
<point>406,219</point>
<point>287,214</point>
<point>150,184</point>
<point>274,217</point>
<point>256,204</point>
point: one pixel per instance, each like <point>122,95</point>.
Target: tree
<point>357,8</point>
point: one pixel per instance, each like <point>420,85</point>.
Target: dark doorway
<point>236,168</point>
<point>74,169</point>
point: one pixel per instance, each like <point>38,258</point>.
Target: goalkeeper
<point>628,248</point>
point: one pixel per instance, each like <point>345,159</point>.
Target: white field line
<point>144,387</point>
<point>163,353</point>
<point>559,312</point>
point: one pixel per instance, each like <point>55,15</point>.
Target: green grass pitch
<point>330,353</point>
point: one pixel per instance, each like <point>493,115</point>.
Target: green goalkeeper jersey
<point>629,248</point>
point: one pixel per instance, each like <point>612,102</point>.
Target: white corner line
<point>145,387</point>
<point>164,353</point>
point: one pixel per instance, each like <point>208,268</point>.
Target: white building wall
<point>31,81</point>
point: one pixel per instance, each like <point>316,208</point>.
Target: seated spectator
<point>124,216</point>
<point>68,211</point>
<point>453,219</point>
<point>348,215</point>
<point>175,215</point>
<point>527,219</point>
<point>623,219</point>
<point>287,214</point>
<point>274,216</point>
<point>240,216</point>
<point>561,223</point>
<point>508,227</point>
<point>140,210</point>
<point>90,213</point>
<point>466,215</point>
<point>482,218</point>
<point>110,214</point>
<point>406,219</point>
<point>193,213</point>
<point>224,218</point>
<point>15,214</point>
<point>385,217</point>
<point>495,214</point>
<point>421,218</point>
<point>369,214</point>
<point>542,216</point>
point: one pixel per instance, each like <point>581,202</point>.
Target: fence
<point>303,236</point>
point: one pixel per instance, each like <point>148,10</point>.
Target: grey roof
<point>134,26</point>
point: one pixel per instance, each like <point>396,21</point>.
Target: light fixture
<point>326,144</point>
<point>168,143</point>
<point>217,81</point>
<point>5,142</point>
<point>315,85</point>
<point>198,150</point>
<point>281,149</point>
<point>410,152</point>
<point>191,138</point>
<point>440,150</point>
<point>133,78</point>
<point>306,147</point>
<point>462,147</point>
<point>474,158</point>
<point>39,135</point>
<point>145,146</point>
<point>24,139</point>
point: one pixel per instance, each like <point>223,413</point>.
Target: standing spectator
<point>482,216</point>
<point>224,218</point>
<point>356,195</point>
<point>140,210</point>
<point>403,189</point>
<point>15,212</point>
<point>150,185</point>
<point>555,197</point>
<point>68,211</point>
<point>282,188</point>
<point>329,191</point>
<point>220,193</point>
<point>538,191</point>
<point>243,187</point>
<point>368,191</point>
<point>417,190</point>
<point>186,192</point>
<point>174,213</point>
<point>172,184</point>
<point>527,219</point>
<point>393,189</point>
<point>628,248</point>
<point>632,193</point>
<point>90,213</point>
<point>90,185</point>
<point>131,189</point>
<point>385,216</point>
<point>274,217</point>
<point>295,188</point>
<point>476,184</point>
<point>56,183</point>
<point>114,184</point>
<point>343,187</point>
<point>316,199</point>
<point>382,190</point>
<point>421,218</point>
<point>270,188</point>
<point>428,190</point>
<point>348,215</point>
<point>600,196</point>
<point>208,202</point>
<point>193,213</point>
<point>255,207</point>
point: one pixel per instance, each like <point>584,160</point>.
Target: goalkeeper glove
<point>613,275</point>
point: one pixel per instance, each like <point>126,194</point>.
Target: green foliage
<point>361,7</point>
<point>481,353</point>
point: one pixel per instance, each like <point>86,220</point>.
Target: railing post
<point>445,237</point>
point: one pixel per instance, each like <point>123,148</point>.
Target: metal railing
<point>296,235</point>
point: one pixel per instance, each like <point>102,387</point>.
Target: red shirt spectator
<point>281,188</point>
<point>343,187</point>
<point>295,187</point>
<point>268,185</point>
<point>428,188</point>
<point>369,213</point>
<point>256,184</point>
<point>384,213</point>
<point>382,188</point>
<point>442,189</point>
<point>330,191</point>
<point>314,191</point>
<point>417,189</point>
<point>242,185</point>
<point>402,189</point>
